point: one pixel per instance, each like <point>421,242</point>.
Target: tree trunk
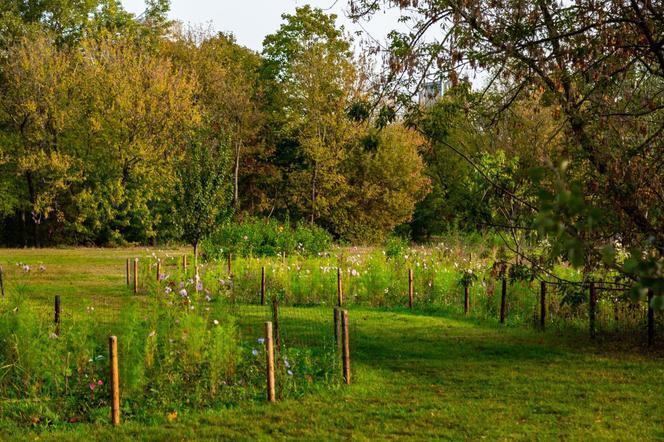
<point>33,199</point>
<point>236,190</point>
<point>196,259</point>
<point>313,192</point>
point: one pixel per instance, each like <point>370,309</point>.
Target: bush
<point>256,237</point>
<point>395,246</point>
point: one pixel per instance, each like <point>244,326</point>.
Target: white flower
<point>152,333</point>
<point>290,373</point>
<point>168,290</point>
<point>215,322</point>
<point>183,293</point>
<point>26,268</point>
<point>254,352</point>
<point>261,340</point>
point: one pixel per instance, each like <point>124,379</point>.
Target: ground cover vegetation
<point>193,364</point>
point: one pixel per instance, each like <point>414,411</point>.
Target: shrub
<point>256,237</point>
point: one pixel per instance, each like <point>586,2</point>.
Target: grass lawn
<point>415,375</point>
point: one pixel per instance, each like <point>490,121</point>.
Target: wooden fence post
<point>269,349</point>
<point>158,269</point>
<point>263,285</point>
<point>115,380</point>
<point>275,320</point>
<point>466,298</point>
<point>135,275</point>
<point>542,304</point>
<point>651,319</point>
<point>340,288</point>
<point>337,327</point>
<point>2,284</point>
<point>411,291</point>
<point>345,345</point>
<point>56,318</point>
<point>503,301</point>
<point>128,272</point>
<point>592,310</point>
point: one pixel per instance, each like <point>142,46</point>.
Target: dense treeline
<point>564,146</point>
<point>105,117</point>
<point>101,108</point>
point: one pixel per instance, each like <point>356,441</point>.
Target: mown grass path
<point>421,376</point>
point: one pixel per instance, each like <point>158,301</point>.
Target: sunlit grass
<point>429,373</point>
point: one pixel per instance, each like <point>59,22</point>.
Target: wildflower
<point>182,284</point>
<point>290,373</point>
<point>208,298</point>
<point>42,268</point>
<point>286,363</point>
<point>26,268</point>
<point>168,290</point>
<point>245,237</point>
<point>199,286</point>
<point>222,282</point>
<point>354,272</point>
<point>215,322</point>
<point>183,293</point>
<point>254,352</point>
<point>261,340</point>
<point>162,276</point>
<point>152,333</point>
<point>99,357</point>
<point>99,382</point>
<point>52,336</point>
<point>191,307</point>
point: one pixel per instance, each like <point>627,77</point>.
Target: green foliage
<point>395,246</point>
<point>257,237</point>
<point>201,191</point>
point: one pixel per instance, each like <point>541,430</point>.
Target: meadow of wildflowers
<point>193,340</point>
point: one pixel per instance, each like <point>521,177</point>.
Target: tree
<point>201,196</point>
<point>91,136</point>
<point>385,175</point>
<point>308,61</point>
<point>600,66</point>
<point>37,113</point>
